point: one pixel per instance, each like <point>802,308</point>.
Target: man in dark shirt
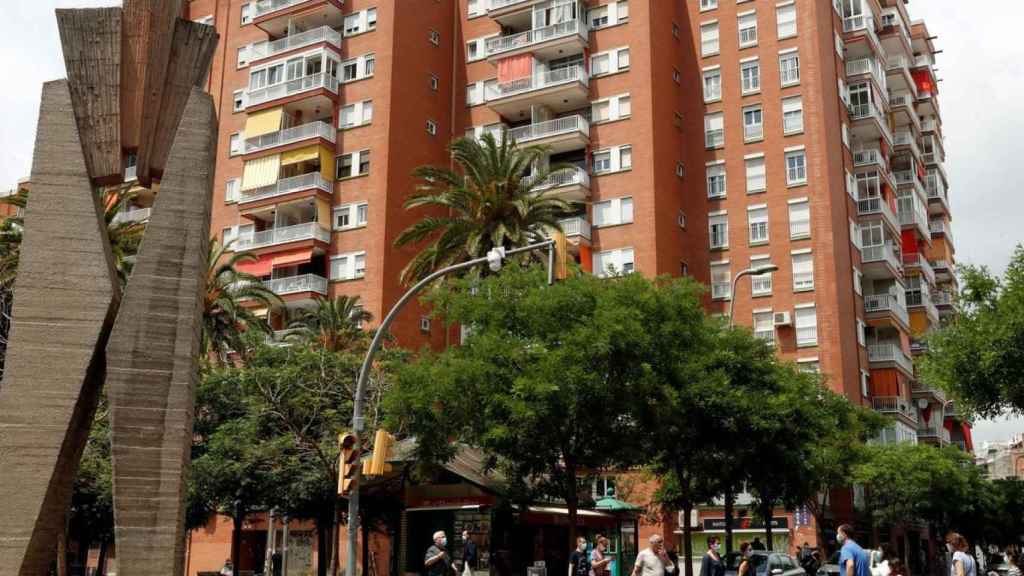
<point>470,556</point>
<point>579,561</point>
<point>436,561</point>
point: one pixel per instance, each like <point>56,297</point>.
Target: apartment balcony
<point>905,111</point>
<point>868,157</point>
<point>915,261</point>
<point>942,299</point>
<point>886,307</point>
<point>277,17</point>
<point>572,184</point>
<point>319,35</point>
<point>869,122</point>
<point>904,139</point>
<point>931,125</point>
<point>921,390</point>
<point>576,229</point>
<point>313,131</point>
<point>313,84</point>
<point>943,271</point>
<point>559,135</point>
<point>927,103</point>
<point>545,43</point>
<point>890,355</point>
<point>941,228</point>
<point>881,262</point>
<point>933,433</point>
<point>912,216</point>
<point>855,27</point>
<point>284,235</point>
<point>935,190</point>
<point>296,185</point>
<point>909,178</point>
<point>895,406</point>
<point>897,70</point>
<point>876,208</point>
<point>132,215</point>
<point>503,9</point>
<point>922,300</point>
<point>303,284</point>
<point>866,67</point>
<point>561,90</point>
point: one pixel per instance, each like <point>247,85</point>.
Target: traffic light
<point>381,447</point>
<point>561,249</point>
<point>348,459</point>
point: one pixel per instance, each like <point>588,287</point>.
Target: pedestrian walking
<point>757,544</point>
<point>711,564</point>
<point>882,567</point>
<point>654,560</point>
<point>598,561</point>
<point>1013,560</point>
<point>579,561</point>
<point>963,563</point>
<point>812,562</point>
<point>470,554</point>
<point>746,563</point>
<point>853,560</point>
<point>436,560</point>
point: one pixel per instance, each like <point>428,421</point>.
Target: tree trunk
<point>364,531</point>
<point>572,499</point>
<point>686,559</point>
<point>322,546</point>
<point>335,539</point>
<point>238,518</point>
<point>62,552</point>
<point>730,501</point>
<point>101,559</point>
<point>766,514</point>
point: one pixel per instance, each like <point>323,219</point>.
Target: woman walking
<point>711,564</point>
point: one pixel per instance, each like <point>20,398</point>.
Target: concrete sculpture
<point>133,87</point>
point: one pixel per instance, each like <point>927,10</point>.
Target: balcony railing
<point>876,205</point>
<point>557,77</point>
<point>871,110</point>
<point>576,227</point>
<point>307,231</point>
<point>307,38</point>
<point>857,23</point>
<point>536,36</point>
<point>890,353</point>
<point>297,86</point>
<point>941,227</point>
<point>136,215</point>
<point>922,388</point>
<point>935,188</point>
<point>897,62</point>
<point>929,125</point>
<point>894,405</point>
<point>287,186</point>
<point>880,253</point>
<point>868,157</point>
<point>942,266</point>
<point>886,303</point>
<point>548,128</point>
<point>574,176</point>
<point>906,138</point>
<point>264,7</point>
<point>912,213</point>
<point>499,4</point>
<point>933,432</point>
<point>291,135</point>
<point>297,284</point>
<point>867,66</point>
<point>917,260</point>
<point>942,298</point>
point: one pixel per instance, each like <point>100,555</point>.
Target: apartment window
<point>435,37</point>
<point>348,266</point>
<point>246,13</point>
<point>239,100</point>
<point>475,8</point>
<point>350,216</point>
<point>431,127</point>
<point>680,169</point>
<point>602,161</point>
<point>353,164</point>
<point>809,366</point>
<point>785,20</point>
<point>243,56</point>
<point>721,281</point>
<point>434,82</point>
<point>861,333</point>
<point>599,17</point>
<point>236,144</point>
<point>714,130</point>
<point>748,29</point>
<point>750,76</point>
<point>806,322</point>
<point>713,84</point>
<point>789,68</point>
<point>718,227</point>
<point>796,167</point>
<point>425,324</point>
<point>756,181</point>
<point>753,123</point>
<point>625,157</point>
<point>475,94</point>
<point>764,327</point>
<point>228,235</point>
<point>623,58</point>
<point>622,10</point>
<point>232,189</point>
<point>609,62</point>
<point>349,70</point>
<point>475,49</point>
<point>709,39</point>
<point>676,77</point>
<point>799,220</point>
<point>370,63</point>
<point>716,180</point>
<point>708,4</point>
<point>371,19</point>
<point>803,271</point>
<point>614,263</point>
<point>625,106</point>
<point>357,68</point>
<point>760,284</point>
<point>858,281</point>
<point>757,222</point>
<point>792,115</point>
<point>355,114</point>
<point>613,212</point>
<point>600,111</point>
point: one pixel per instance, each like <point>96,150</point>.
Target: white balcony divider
<point>307,38</point>
<point>902,99</point>
<point>306,231</point>
<point>867,157</point>
<point>574,176</point>
<point>296,284</point>
<point>880,253</point>
<point>290,135</point>
<point>297,86</point>
<point>136,215</point>
<point>578,226</point>
<point>886,303</point>
<point>890,352</point>
<point>558,76</point>
<point>264,7</point>
<point>548,128</point>
<point>287,186</point>
<point>535,36</point>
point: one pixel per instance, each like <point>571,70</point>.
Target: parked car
<point>765,564</point>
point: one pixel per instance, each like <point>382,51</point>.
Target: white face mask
<point>949,547</point>
<point>841,538</point>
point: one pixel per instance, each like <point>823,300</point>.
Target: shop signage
<point>745,523</point>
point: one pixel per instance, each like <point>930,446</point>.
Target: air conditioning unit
<point>782,319</point>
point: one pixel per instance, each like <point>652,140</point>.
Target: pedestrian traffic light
<point>348,459</point>
<point>561,260</point>
<point>381,448</point>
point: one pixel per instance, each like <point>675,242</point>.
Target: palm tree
<point>336,325</point>
<point>225,317</point>
<point>488,201</point>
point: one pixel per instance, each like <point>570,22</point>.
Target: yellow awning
<point>300,155</point>
<point>264,122</point>
<point>261,172</point>
<point>327,164</point>
<point>323,213</point>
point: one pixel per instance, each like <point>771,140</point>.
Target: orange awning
<point>293,257</point>
<point>261,267</point>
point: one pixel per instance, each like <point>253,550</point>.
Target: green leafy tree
<point>557,361</point>
<point>979,357</point>
<point>334,325</point>
<point>91,517</point>
<point>488,201</point>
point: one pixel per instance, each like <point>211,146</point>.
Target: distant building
<point>1003,460</point>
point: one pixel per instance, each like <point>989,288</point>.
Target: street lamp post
<point>494,260</point>
<point>766,269</point>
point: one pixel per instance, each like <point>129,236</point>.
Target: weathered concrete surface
<point>153,352</point>
<point>64,303</point>
<point>91,39</point>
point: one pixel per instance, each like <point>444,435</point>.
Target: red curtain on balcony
<point>292,257</point>
<point>259,268</point>
<point>515,67</point>
<point>923,79</point>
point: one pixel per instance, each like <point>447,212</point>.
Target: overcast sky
<point>981,100</point>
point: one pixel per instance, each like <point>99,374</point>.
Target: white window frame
<point>357,213</point>
<point>796,207</point>
<point>763,325</point>
<point>802,314</point>
<point>718,240</point>
<point>761,284</point>
<point>789,68</point>
<point>236,144</point>
<point>239,100</point>
<point>246,13</point>
<point>785,20</point>
<point>756,173</point>
<point>721,285</point>
<point>362,111</point>
<point>750,76</point>
<point>797,174</point>
<point>365,66</point>
<point>708,5</point>
<point>757,225</point>
<point>621,260</point>
<point>432,127</point>
<point>714,137</point>
<point>803,280</point>
<point>232,190</point>
<point>746,25</point>
<point>613,62</point>
<point>712,78</point>
<point>612,212</point>
<point>710,41</point>
<point>355,167</point>
<point>351,270</point>
<point>716,179</point>
<point>792,115</point>
<point>753,132</point>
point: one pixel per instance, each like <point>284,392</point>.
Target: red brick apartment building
<point>707,137</point>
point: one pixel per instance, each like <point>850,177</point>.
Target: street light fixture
<point>765,269</point>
